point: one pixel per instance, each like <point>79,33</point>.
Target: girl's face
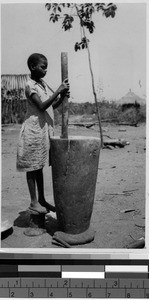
<point>40,69</point>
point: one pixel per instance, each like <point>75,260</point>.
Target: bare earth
<point>118,215</point>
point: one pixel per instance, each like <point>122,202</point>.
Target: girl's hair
<point>34,59</point>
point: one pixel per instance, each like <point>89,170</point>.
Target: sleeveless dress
<point>34,139</point>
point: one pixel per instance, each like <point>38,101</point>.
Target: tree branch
<point>93,84</point>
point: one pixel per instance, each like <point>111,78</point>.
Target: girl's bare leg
<point>31,181</point>
<point>40,187</point>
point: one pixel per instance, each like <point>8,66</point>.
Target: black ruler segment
<point>126,275</point>
<point>31,274</point>
<point>8,268</point>
<point>87,262</point>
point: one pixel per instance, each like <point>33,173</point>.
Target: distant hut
<point>131,100</point>
<point>12,91</point>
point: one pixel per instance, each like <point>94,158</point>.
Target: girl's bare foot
<point>47,205</point>
<point>38,208</point>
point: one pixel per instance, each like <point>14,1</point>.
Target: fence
<point>13,110</point>
<point>13,102</point>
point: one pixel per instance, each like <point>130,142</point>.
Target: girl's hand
<point>68,94</point>
<point>64,86</point>
<point>65,93</point>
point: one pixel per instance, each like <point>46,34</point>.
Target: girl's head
<point>37,64</point>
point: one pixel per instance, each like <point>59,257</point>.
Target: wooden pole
<point>64,72</point>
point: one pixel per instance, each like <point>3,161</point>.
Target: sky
<point>117,46</point>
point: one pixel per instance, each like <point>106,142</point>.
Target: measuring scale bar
<point>74,280</point>
<point>73,288</point>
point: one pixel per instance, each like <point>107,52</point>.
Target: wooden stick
<point>64,72</point>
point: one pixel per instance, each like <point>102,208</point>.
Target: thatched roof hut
<point>131,98</point>
<point>13,82</point>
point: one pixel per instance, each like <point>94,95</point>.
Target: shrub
<point>14,110</point>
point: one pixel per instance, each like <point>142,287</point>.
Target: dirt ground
<point>118,216</point>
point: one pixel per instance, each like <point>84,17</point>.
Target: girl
<point>34,139</point>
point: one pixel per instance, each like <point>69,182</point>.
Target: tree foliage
<point>84,12</point>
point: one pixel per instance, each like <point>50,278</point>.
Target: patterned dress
<point>34,139</point>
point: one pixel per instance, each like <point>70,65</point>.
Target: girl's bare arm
<point>60,99</point>
<point>44,105</point>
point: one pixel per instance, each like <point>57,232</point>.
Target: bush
<point>142,114</point>
<point>109,112</point>
<point>128,116</point>
<point>14,110</point>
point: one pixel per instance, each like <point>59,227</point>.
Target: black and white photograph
<point>73,125</point>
